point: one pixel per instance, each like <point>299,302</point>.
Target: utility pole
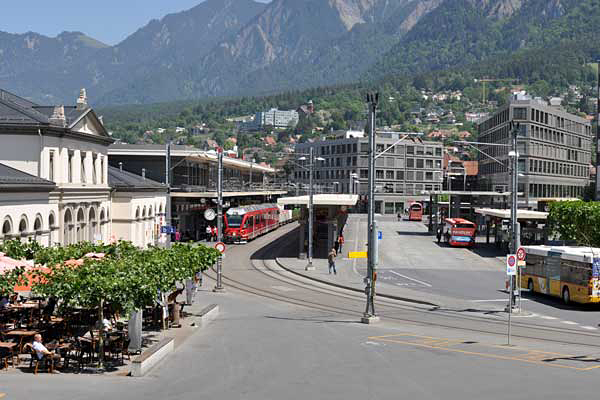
<point>168,184</point>
<point>311,160</point>
<point>370,315</point>
<point>516,230</point>
<point>219,286</point>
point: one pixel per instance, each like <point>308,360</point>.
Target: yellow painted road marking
<point>357,254</point>
<point>530,356</point>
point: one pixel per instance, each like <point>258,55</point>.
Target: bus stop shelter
<point>461,204</point>
<point>532,225</point>
<point>330,214</point>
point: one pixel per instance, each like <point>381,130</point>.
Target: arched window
<point>68,227</point>
<point>37,226</point>
<point>6,228</point>
<point>51,229</point>
<point>23,225</point>
<point>80,225</point>
<point>92,225</point>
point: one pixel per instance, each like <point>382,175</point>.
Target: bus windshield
<point>234,221</point>
<point>471,226</point>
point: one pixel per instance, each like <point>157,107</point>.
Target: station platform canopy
<point>347,200</point>
<point>465,193</point>
<point>505,214</point>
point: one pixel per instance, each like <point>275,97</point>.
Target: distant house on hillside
<point>306,109</point>
<point>180,129</point>
<point>270,141</point>
<point>211,144</point>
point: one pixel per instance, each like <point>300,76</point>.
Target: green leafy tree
<point>576,220</point>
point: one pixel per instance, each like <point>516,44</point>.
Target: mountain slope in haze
<point>296,44</point>
<point>53,70</point>
<point>241,47</point>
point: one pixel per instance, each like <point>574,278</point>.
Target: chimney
<point>82,100</point>
<point>101,119</point>
<point>58,116</point>
<point>144,173</point>
<point>121,166</point>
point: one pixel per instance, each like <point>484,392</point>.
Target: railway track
<point>316,296</point>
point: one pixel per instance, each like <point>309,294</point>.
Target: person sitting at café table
<point>41,350</point>
<point>105,324</point>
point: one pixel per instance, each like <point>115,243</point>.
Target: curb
<point>388,296</point>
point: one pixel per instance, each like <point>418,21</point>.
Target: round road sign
<point>221,247</point>
<point>521,254</point>
<point>511,260</point>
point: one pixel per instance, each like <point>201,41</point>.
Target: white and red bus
<point>460,232</point>
<point>248,222</point>
<point>415,212</point>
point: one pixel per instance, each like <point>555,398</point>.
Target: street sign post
<point>167,229</point>
<point>511,265</point>
<point>220,246</point>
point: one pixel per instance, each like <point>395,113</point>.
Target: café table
<point>10,346</point>
<point>22,335</point>
<point>63,349</point>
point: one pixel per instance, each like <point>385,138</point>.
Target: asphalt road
<point>281,337</point>
<point>412,259</point>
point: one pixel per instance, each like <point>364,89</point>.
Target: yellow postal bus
<point>572,273</point>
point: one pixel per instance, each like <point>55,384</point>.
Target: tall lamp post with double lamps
<point>310,168</point>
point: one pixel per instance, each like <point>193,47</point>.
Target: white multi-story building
<point>66,145</point>
<point>276,118</point>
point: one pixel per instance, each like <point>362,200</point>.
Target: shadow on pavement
<point>286,246</point>
<point>412,233</point>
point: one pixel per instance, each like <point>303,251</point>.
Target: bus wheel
<point>565,295</point>
<point>530,286</point>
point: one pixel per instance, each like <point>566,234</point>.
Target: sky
<point>109,21</point>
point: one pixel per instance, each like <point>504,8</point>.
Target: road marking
<point>283,288</point>
<point>569,322</point>
<point>494,300</point>
<point>547,317</point>
<point>591,328</point>
<point>410,279</point>
<point>520,354</point>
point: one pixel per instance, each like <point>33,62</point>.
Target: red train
<point>248,222</point>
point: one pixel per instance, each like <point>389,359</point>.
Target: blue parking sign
<point>379,235</point>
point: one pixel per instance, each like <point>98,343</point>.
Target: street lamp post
<point>168,184</point>
<point>512,165</point>
<point>311,166</point>
<point>370,314</point>
<point>219,286</point>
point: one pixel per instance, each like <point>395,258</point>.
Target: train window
<point>234,221</point>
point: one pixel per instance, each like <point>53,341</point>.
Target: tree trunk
<point>101,335</point>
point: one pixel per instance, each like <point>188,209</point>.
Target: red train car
<point>248,222</point>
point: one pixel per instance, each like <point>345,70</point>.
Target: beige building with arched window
<point>67,146</point>
<point>27,208</point>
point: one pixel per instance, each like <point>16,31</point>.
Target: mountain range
<point>224,48</point>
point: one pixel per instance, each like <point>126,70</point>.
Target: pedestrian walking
<point>215,233</point>
<point>336,245</point>
<point>439,234</point>
<point>208,233</point>
<point>341,242</point>
<point>331,260</point>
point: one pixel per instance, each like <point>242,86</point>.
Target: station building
<point>193,181</point>
<point>55,184</point>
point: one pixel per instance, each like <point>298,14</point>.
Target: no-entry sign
<point>511,264</point>
<point>221,247</point>
<point>521,254</point>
